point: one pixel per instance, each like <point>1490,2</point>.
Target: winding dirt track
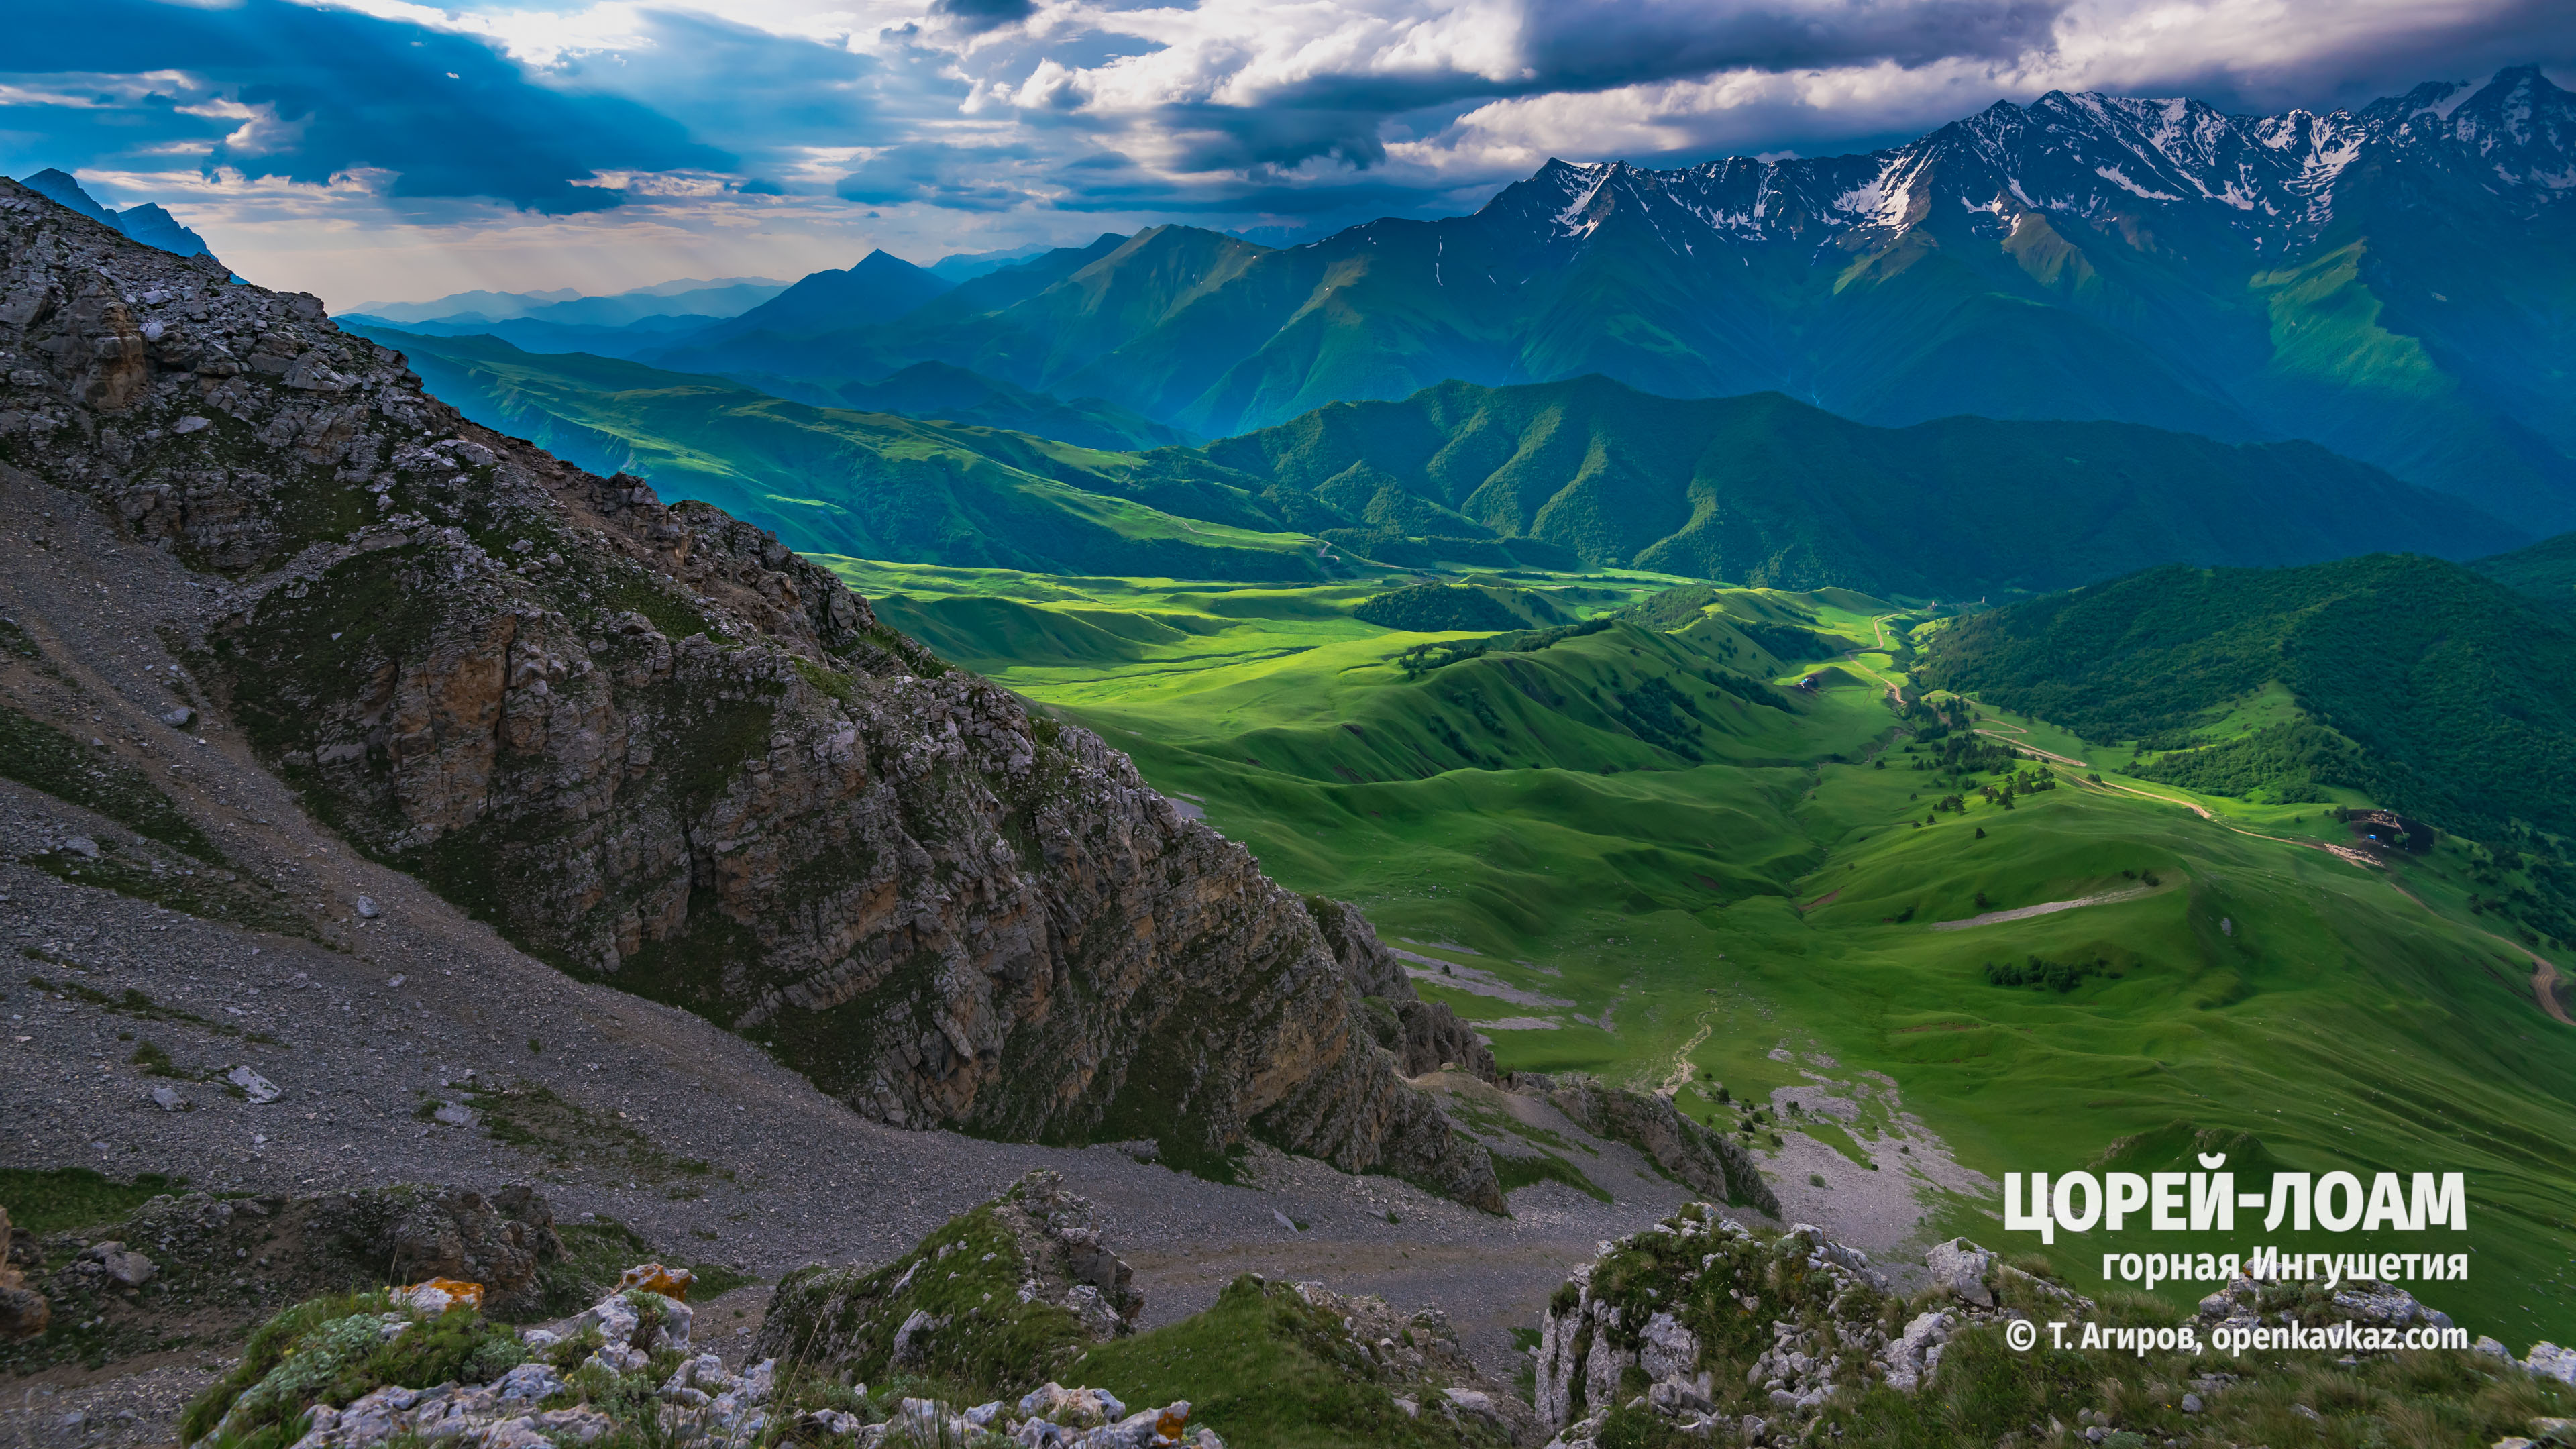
<point>1680,1076</point>
<point>1895,691</point>
<point>2544,972</point>
<point>2544,984</point>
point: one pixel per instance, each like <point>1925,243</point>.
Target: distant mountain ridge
<point>2394,282</point>
<point>148,223</point>
<point>1586,473</point>
<point>1767,490</point>
<point>2545,571</point>
<point>723,297</point>
<point>880,288</point>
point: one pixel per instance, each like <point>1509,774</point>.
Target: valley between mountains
<point>770,786</point>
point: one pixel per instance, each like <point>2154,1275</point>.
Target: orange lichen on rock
<point>439,1295</point>
<point>671,1283</point>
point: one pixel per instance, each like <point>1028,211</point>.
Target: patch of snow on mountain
<point>2117,177</point>
<point>2460,93</point>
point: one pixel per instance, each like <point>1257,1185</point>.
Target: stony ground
<point>364,1023</point>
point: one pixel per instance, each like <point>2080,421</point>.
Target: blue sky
<point>387,150</point>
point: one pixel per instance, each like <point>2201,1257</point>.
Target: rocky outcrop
<point>1701,1328</point>
<point>1415,1357</point>
<point>1751,1334</point>
<point>502,1241</point>
<point>23,1311</point>
<point>1422,1036</point>
<point>1703,1160</point>
<point>1426,1036</point>
<point>127,1284</point>
<point>1372,969</point>
<point>1007,1293</point>
<point>622,1371</point>
<point>655,747</point>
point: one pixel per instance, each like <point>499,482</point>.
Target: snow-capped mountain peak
<point>2272,180</point>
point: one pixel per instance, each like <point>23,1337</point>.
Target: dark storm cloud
<point>958,177</point>
<point>1323,109</point>
<point>981,15</point>
<point>1595,46</point>
<point>447,114</point>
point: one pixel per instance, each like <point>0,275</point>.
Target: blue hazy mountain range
<point>147,223</point>
<point>2396,282</point>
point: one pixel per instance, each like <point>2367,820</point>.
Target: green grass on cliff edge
<point>1637,833</point>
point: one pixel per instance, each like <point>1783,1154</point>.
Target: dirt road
<point>2044,908</point>
<point>1878,626</point>
<point>2544,973</point>
<point>2544,984</point>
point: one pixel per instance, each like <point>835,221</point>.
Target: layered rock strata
<point>655,747</point>
<point>1701,1159</point>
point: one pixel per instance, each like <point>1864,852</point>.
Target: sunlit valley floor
<point>1587,842</point>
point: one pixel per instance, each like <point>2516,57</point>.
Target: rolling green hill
<point>1769,491</point>
<point>1641,842</point>
<point>2546,571</point>
<point>2458,694</point>
<point>871,484</point>
<point>2437,692</point>
<point>1555,475</point>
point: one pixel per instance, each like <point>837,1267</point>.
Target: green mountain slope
<point>937,390</point>
<point>1769,491</point>
<point>1642,846</point>
<point>867,484</point>
<point>2546,570</point>
<point>1558,475</point>
<point>2457,696</point>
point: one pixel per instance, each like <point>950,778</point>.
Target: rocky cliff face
<point>1705,1160</point>
<point>653,746</point>
<point>1422,1036</point>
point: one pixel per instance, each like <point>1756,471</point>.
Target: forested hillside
<point>2546,570</point>
<point>2440,692</point>
<point>1764,490</point>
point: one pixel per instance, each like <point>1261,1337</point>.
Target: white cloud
<point>968,124</point>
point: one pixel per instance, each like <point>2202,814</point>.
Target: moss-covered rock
<point>1701,1331</point>
<point>992,1303</point>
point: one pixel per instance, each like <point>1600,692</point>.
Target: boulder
<point>499,1241</point>
<point>1958,1268</point>
<point>671,1283</point>
<point>440,1295</point>
<point>24,1313</point>
<point>1037,1246</point>
<point>258,1089</point>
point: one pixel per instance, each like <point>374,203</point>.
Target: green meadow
<point>1695,829</point>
